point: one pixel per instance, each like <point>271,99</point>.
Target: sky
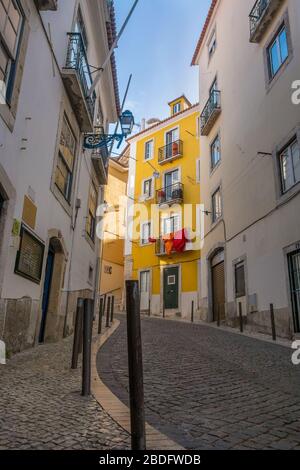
<point>157,48</point>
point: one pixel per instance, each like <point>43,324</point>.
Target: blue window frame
<point>278,51</point>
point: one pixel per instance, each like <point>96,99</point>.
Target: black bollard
<point>108,313</point>
<point>135,366</point>
<point>273,325</point>
<point>192,312</point>
<point>77,333</point>
<point>87,346</point>
<point>112,308</point>
<point>241,317</point>
<point>100,316</point>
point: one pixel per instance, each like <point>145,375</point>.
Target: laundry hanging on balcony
<point>180,241</point>
<point>168,241</point>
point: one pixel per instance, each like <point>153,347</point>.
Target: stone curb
<point>115,408</point>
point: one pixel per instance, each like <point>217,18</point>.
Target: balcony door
<point>172,137</point>
<point>171,180</point>
<point>145,289</point>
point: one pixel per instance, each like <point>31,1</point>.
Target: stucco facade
<point>253,115</point>
<point>48,103</point>
<point>163,194</point>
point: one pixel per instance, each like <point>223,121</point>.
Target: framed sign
<point>29,261</point>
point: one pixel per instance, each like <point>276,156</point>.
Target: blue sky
<point>157,48</point>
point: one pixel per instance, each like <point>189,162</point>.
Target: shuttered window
<point>11,20</point>
<point>30,256</point>
<point>65,162</point>
<point>91,220</point>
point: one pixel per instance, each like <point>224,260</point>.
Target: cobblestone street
<point>41,406</point>
<point>210,389</point>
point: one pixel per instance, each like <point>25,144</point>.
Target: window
<point>290,166</point>
<point>145,233</point>
<point>240,285</point>
<point>91,220</point>
<point>149,147</point>
<point>11,21</point>
<point>65,162</point>
<point>29,261</point>
<point>215,152</point>
<point>212,45</point>
<point>147,188</point>
<point>176,108</point>
<point>171,224</point>
<point>80,28</point>
<point>216,205</point>
<point>278,52</point>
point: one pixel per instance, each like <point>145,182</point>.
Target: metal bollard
<point>77,333</point>
<point>100,316</point>
<point>218,316</point>
<point>108,312</point>
<point>112,308</point>
<point>149,308</point>
<point>192,312</point>
<point>241,318</point>
<point>87,346</point>
<point>164,312</point>
<point>273,325</point>
<point>135,366</point>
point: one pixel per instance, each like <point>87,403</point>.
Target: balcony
<point>170,194</point>
<point>160,249</point>
<point>78,80</point>
<point>211,112</point>
<point>170,152</point>
<point>100,162</point>
<point>45,5</point>
<point>261,16</point>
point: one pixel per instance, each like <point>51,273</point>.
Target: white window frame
<point>176,108</point>
<point>288,149</point>
<point>151,141</point>
<point>212,44</point>
<point>213,166</point>
<point>143,241</point>
<point>152,188</point>
<point>215,217</point>
<point>276,42</point>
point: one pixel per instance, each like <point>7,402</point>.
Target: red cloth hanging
<point>169,243</point>
<point>179,242</point>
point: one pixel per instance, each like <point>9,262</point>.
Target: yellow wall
<point>113,243</point>
<point>144,256</point>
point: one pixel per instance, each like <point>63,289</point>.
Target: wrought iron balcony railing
<point>100,161</point>
<point>210,112</point>
<point>170,194</point>
<point>261,15</point>
<point>78,80</point>
<point>170,152</point>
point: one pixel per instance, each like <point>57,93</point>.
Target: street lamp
<point>98,140</point>
<point>127,122</point>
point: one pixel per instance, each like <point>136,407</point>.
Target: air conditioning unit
<point>46,4</point>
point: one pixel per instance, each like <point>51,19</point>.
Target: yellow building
<point>112,256</point>
<point>162,248</point>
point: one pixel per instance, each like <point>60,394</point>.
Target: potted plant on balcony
<point>161,196</point>
<point>177,193</point>
<point>175,149</point>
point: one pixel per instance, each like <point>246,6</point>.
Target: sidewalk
<point>41,406</point>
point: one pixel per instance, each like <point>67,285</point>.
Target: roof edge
<point>204,30</point>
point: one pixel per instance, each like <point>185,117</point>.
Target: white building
<point>248,55</point>
<point>49,187</point>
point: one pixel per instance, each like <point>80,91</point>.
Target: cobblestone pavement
<point>210,389</point>
<point>41,406</point>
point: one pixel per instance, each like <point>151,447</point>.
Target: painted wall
<point>256,117</point>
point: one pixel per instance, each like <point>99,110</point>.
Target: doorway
<point>46,292</point>
<point>145,289</point>
<point>171,288</point>
<point>218,286</point>
<point>294,271</point>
